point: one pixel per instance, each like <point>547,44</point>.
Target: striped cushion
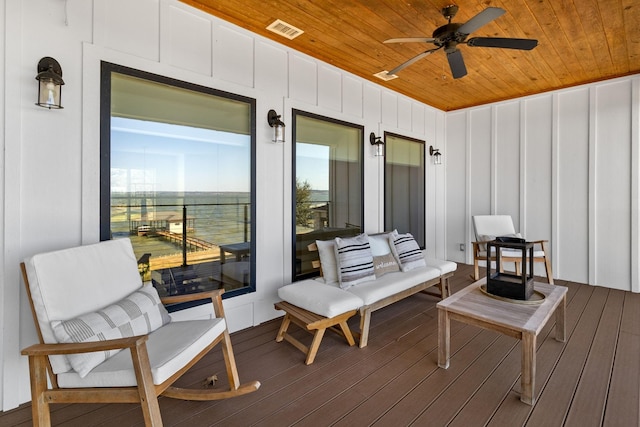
<point>138,314</point>
<point>354,259</point>
<point>407,252</point>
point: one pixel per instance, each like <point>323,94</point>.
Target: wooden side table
<point>522,321</point>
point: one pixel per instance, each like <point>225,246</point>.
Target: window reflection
<point>328,184</point>
<point>179,184</point>
<point>404,186</point>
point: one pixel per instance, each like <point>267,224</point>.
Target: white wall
<point>565,166</point>
<point>50,179</point>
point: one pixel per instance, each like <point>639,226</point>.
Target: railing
<point>191,226</point>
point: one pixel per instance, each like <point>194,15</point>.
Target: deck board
<point>560,388</point>
<point>593,379</point>
<point>622,406</point>
<point>591,393</point>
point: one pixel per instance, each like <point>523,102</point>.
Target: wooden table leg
<point>561,316</point>
<point>528,376</point>
<point>444,335</point>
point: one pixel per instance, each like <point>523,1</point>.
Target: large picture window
<point>328,188</point>
<point>404,186</point>
<point>178,179</point>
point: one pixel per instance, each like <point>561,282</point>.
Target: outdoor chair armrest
<point>83,347</point>
<point>174,299</point>
<point>539,241</point>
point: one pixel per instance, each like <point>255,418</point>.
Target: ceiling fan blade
<point>522,44</point>
<point>412,60</point>
<point>411,40</point>
<point>482,18</point>
<point>456,63</point>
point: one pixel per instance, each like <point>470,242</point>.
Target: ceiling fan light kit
<point>450,35</point>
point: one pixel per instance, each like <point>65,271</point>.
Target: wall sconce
<point>436,154</point>
<point>278,126</point>
<point>50,83</point>
<point>377,142</point>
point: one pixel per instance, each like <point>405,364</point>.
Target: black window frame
<point>106,68</point>
<point>294,114</point>
<point>424,170</point>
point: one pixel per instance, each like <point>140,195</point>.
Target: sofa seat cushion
<point>170,348</point>
<point>392,283</point>
<point>445,267</point>
<point>319,298</point>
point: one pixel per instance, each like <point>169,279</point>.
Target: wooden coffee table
<point>523,321</point>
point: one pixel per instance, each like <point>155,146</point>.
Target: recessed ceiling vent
<point>286,30</point>
<point>384,75</point>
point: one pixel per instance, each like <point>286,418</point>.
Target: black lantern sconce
<point>377,142</point>
<point>278,126</point>
<point>436,154</point>
<point>49,83</point>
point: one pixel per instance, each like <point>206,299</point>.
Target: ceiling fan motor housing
<point>448,36</point>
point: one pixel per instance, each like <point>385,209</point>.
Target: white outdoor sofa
<point>316,305</point>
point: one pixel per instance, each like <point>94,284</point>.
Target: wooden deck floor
<point>591,380</point>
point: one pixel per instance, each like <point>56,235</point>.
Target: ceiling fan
<point>450,35</point>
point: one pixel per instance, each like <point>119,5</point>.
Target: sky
<point>153,156</point>
<point>312,165</point>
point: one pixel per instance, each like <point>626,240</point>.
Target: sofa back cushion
<point>383,260</point>
<point>327,255</point>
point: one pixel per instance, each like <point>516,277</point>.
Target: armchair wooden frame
<point>146,392</point>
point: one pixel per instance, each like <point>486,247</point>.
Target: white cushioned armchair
<point>487,228</point>
<point>89,303</point>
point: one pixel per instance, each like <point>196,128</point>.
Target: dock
<point>192,242</point>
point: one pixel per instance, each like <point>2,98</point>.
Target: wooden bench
<point>314,324</point>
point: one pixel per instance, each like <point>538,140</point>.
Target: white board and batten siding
<point>565,166</point>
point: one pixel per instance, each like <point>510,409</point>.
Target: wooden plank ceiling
<point>580,41</point>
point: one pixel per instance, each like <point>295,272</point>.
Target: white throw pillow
<point>354,259</point>
<point>138,314</point>
<point>407,251</point>
<point>327,253</point>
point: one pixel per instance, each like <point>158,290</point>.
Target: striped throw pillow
<point>407,252</point>
<point>354,259</point>
<point>138,314</point>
